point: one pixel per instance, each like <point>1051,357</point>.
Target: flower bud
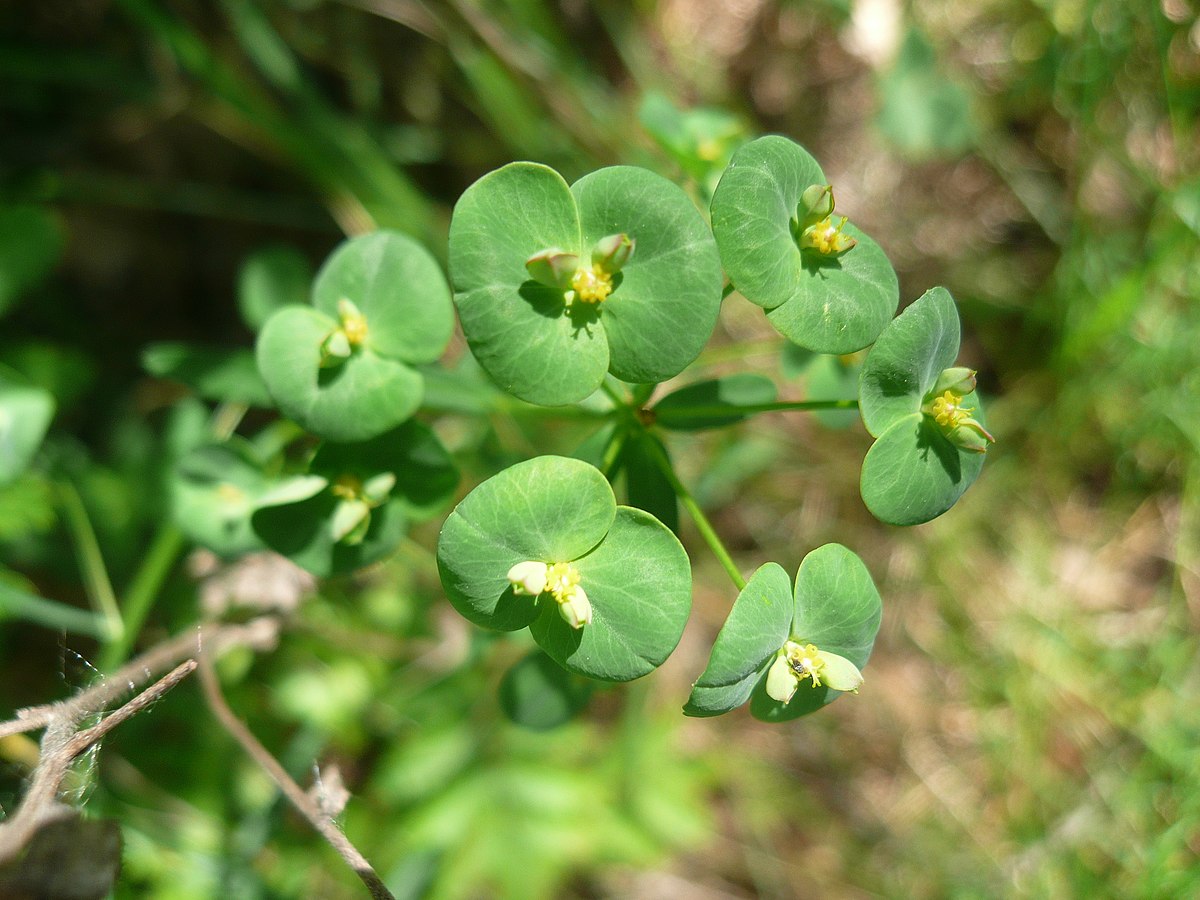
<point>970,436</point>
<point>839,673</point>
<point>528,577</point>
<point>575,607</point>
<point>552,267</point>
<point>958,380</point>
<point>612,252</point>
<point>335,349</point>
<point>816,203</point>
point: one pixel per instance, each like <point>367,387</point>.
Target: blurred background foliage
<point>1029,723</point>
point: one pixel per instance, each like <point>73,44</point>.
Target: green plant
<point>577,302</point>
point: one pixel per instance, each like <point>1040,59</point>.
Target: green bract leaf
<point>660,312</point>
<point>827,304</point>
<point>554,510</point>
<point>540,694</point>
<point>913,473</point>
<point>700,405</point>
<point>550,509</point>
<point>25,414</point>
<point>304,518</point>
<point>215,373</point>
<point>270,279</point>
<point>355,401</point>
<point>838,609</point>
<point>664,308</point>
<point>758,624</point>
<point>907,359</point>
<point>397,285</point>
<point>516,327</point>
<point>345,370</point>
<point>639,582</point>
<point>214,490</point>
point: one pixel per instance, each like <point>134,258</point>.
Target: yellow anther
<point>591,285</point>
<point>827,238</point>
<point>561,580</point>
<point>948,411</point>
<point>805,661</point>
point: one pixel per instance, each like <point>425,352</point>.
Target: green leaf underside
<point>424,470</point>
<point>758,625</point>
<point>906,360</point>
<point>25,414</point>
<point>517,329</point>
<point>215,373</point>
<point>214,491</point>
<point>829,305</point>
<point>639,582</point>
<point>359,399</point>
<point>912,473</point>
<point>539,694</point>
<point>302,532</point>
<point>270,279</point>
<point>400,290</point>
<point>668,295</point>
<point>549,509</point>
<point>296,519</point>
<point>742,389</point>
<point>837,608</point>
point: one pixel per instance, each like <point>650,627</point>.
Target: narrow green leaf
<point>25,414</point>
<point>270,279</point>
<point>732,391</point>
<point>227,375</point>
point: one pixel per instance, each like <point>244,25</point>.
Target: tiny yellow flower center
<point>948,411</point>
<point>561,581</point>
<point>354,323</point>
<point>827,238</point>
<point>347,487</point>
<point>591,284</point>
<point>805,660</point>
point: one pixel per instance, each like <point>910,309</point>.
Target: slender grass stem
<point>612,451</point>
<point>702,524</point>
<point>96,582</point>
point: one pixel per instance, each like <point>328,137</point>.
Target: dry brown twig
<point>65,740</point>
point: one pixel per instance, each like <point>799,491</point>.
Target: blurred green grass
<point>1028,725</point>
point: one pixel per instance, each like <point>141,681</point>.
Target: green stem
<point>18,604</point>
<point>91,563</point>
<point>702,524</point>
<point>724,410</point>
<point>613,393</point>
<point>143,590</point>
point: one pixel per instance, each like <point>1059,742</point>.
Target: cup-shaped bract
<point>914,471</point>
<point>344,368</point>
<point>833,606</point>
<point>397,478</point>
<point>562,512</point>
<point>530,334</point>
<point>829,303</point>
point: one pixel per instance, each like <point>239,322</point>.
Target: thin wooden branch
<point>64,739</point>
<point>323,823</point>
<point>61,744</point>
